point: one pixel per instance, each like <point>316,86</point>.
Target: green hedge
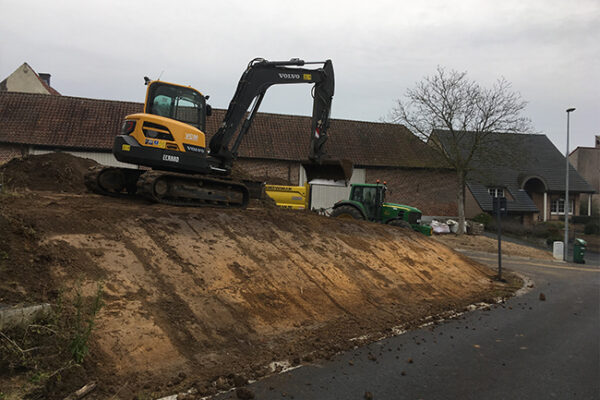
<point>483,218</point>
<point>582,219</point>
<point>592,227</point>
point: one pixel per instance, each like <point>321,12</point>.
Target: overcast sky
<point>549,50</point>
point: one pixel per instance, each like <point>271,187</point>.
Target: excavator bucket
<point>328,172</point>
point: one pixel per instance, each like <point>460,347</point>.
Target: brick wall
<point>271,171</point>
<point>431,191</point>
<point>472,208</point>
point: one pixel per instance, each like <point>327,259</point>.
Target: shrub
<point>483,218</point>
<point>592,227</point>
<point>582,219</point>
<point>548,229</point>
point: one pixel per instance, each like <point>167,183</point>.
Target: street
<point>542,344</point>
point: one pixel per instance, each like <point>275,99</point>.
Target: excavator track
<point>167,187</point>
<point>112,181</point>
<point>192,190</point>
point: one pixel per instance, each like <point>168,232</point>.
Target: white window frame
<point>557,204</point>
<point>496,191</point>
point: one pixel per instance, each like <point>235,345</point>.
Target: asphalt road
<point>524,349</point>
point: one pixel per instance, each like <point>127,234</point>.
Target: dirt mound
<point>193,296</point>
<point>57,172</point>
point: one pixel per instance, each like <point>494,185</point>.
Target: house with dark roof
<point>526,169</point>
<point>272,150</point>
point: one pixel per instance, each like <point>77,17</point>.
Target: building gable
<point>25,80</point>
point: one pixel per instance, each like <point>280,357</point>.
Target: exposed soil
<point>202,297</point>
<point>489,245</point>
<point>58,172</point>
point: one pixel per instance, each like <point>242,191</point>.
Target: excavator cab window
<point>177,102</point>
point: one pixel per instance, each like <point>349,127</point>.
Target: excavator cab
<point>181,103</point>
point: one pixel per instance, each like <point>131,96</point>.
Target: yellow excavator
<point>168,137</point>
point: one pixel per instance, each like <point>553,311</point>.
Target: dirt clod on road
<point>196,296</point>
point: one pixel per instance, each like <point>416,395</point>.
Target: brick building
<point>586,161</point>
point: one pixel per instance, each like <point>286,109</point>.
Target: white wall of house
<point>25,80</point>
<point>324,196</point>
<point>102,158</point>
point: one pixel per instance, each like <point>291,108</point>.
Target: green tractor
<point>367,201</point>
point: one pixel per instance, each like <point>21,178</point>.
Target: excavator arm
<point>256,79</point>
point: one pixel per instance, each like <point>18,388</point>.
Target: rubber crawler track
<point>183,189</point>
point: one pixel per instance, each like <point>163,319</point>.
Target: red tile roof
<point>81,123</point>
<point>49,88</point>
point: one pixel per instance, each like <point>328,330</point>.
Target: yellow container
<point>293,197</point>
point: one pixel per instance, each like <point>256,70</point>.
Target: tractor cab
<point>371,197</point>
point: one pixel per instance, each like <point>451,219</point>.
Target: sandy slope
<point>209,292</point>
<point>192,295</point>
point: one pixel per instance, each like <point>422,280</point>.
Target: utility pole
<point>567,203</point>
<point>500,208</point>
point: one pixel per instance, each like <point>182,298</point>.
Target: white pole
<point>566,208</point>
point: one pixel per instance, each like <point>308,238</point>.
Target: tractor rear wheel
<point>347,212</point>
<point>400,223</point>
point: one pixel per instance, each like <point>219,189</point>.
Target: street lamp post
<point>566,208</point>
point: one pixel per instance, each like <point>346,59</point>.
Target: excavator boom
<point>256,79</point>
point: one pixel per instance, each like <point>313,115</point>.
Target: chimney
<point>598,141</point>
<point>45,78</point>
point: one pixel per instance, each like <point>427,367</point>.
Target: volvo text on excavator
<point>169,137</point>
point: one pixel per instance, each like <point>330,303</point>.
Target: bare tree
<point>466,112</point>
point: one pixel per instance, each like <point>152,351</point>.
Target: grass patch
<point>35,359</point>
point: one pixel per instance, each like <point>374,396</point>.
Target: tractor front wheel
<point>347,212</point>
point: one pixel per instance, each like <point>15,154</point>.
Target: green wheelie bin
<point>579,251</point>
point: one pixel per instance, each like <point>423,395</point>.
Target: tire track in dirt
<point>321,288</point>
<point>175,326</point>
<point>268,277</point>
